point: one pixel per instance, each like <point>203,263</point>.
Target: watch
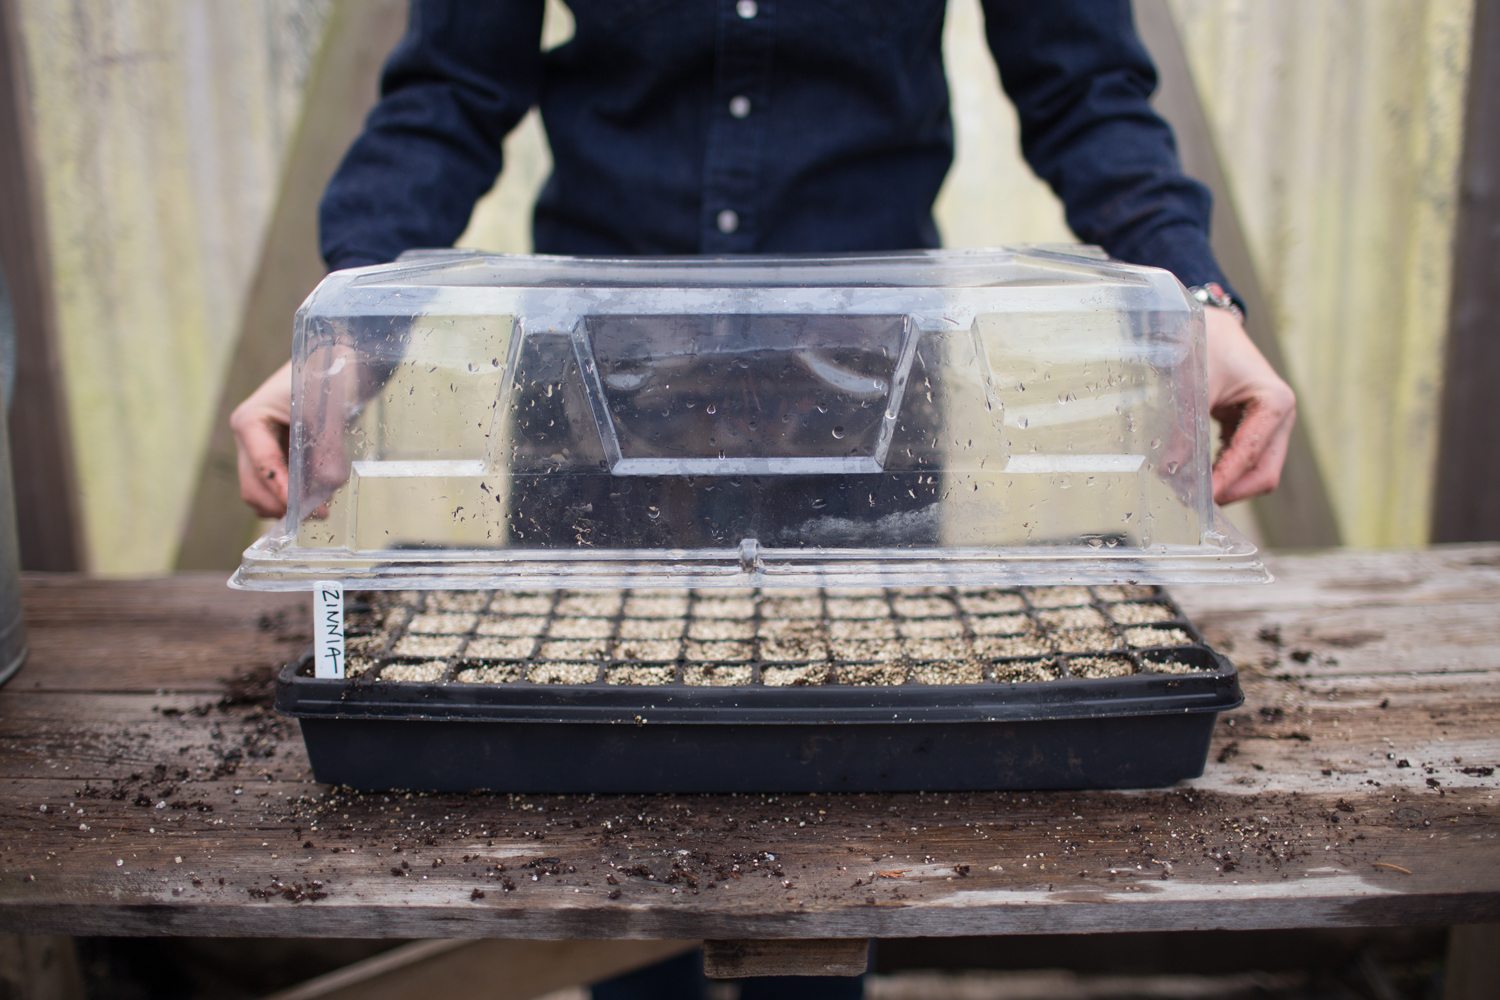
<point>1213,294</point>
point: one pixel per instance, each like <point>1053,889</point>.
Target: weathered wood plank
<point>1306,816</point>
<point>1334,579</point>
<point>509,970</point>
<point>1466,494</point>
<point>183,633</point>
<point>159,130</point>
<point>1300,512</point>
<point>210,627</point>
<point>1473,966</point>
<point>805,957</point>
<point>37,967</point>
<point>284,832</point>
<point>47,495</point>
<point>1340,126</point>
<point>341,89</point>
<point>843,866</point>
<point>1355,640</point>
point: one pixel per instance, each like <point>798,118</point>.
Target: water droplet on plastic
<point>711,409</point>
<point>819,503</point>
<point>653,512</point>
<point>838,433</point>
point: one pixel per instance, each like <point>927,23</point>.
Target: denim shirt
<point>753,126</point>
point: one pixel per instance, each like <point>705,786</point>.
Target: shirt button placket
<point>733,159</point>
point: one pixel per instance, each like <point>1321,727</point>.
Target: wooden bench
<point>149,790</point>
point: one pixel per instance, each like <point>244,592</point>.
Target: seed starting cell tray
<point>774,690</point>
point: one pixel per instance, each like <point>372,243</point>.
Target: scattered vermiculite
<point>773,638</point>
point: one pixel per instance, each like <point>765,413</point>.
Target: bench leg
<point>1473,970</point>
<point>39,968</point>
<point>816,957</point>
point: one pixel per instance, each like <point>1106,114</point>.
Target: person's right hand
<point>260,426</point>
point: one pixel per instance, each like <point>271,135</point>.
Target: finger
<point>260,446</point>
<point>1265,475</point>
<point>1256,430</point>
<point>256,494</point>
<point>1174,457</point>
<point>264,451</point>
<point>325,456</point>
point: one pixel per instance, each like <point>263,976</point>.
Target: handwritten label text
<point>328,630</point>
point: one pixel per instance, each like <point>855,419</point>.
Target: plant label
<point>328,630</point>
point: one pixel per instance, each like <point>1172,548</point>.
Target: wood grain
<point>1299,513</point>
<point>1447,574</point>
<point>1466,494</point>
<point>46,497</point>
<point>805,957</point>
<point>1473,966</point>
<point>167,633</point>
<point>40,967</point>
<point>342,87</point>
<point>159,131</point>
<point>510,970</point>
<point>1341,127</point>
<point>1359,792</point>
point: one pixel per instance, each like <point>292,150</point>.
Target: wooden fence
<point>177,149</point>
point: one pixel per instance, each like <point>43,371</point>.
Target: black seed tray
<point>1142,730</point>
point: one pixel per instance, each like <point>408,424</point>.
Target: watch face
<point>1213,294</point>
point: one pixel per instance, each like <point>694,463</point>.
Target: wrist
<point>1214,296</point>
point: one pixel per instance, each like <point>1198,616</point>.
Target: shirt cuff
<point>1184,250</point>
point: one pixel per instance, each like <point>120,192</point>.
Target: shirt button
<point>728,221</point>
<point>747,9</point>
<point>739,106</point>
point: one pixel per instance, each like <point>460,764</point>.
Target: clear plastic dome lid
<point>1022,416</point>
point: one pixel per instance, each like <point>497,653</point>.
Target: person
<point>738,126</point>
<point>763,126</point>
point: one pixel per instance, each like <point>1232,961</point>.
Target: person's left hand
<point>1254,406</point>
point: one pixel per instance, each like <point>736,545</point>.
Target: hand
<point>260,426</point>
<point>1255,409</point>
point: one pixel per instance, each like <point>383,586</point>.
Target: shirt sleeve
<point>1081,82</point>
<point>458,81</point>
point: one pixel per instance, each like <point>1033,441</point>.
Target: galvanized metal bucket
<point>12,632</point>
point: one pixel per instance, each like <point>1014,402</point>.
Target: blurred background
<point>161,160</point>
